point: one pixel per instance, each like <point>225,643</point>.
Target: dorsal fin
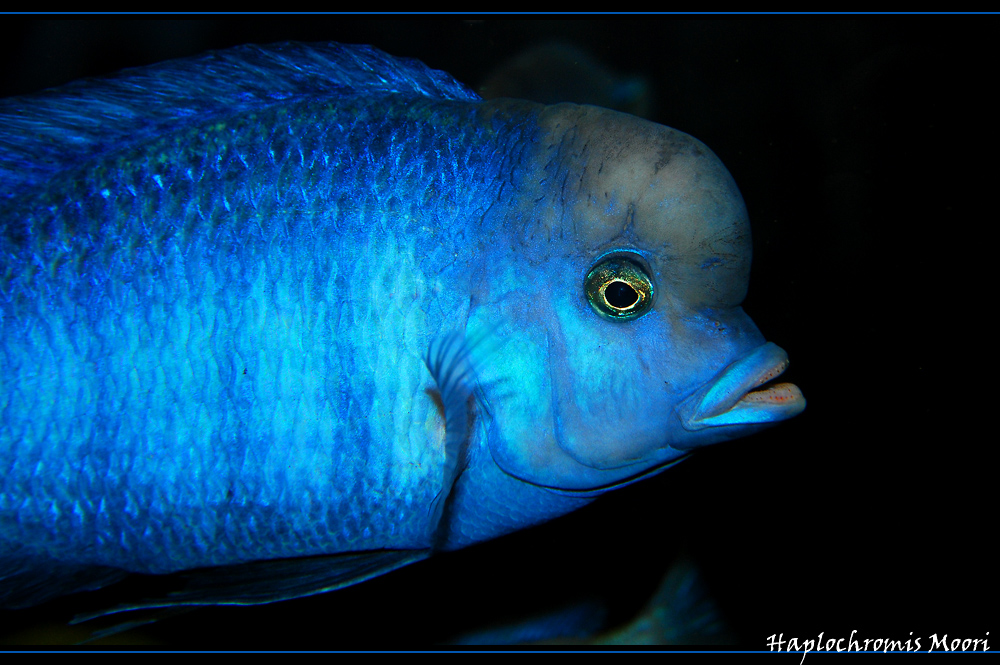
<point>42,133</point>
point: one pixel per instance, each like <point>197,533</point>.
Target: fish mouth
<point>735,396</point>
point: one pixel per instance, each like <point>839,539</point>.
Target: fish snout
<point>737,397</point>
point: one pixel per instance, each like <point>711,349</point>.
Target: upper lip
<point>730,398</point>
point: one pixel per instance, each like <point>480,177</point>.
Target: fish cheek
<point>521,438</point>
<point>612,396</point>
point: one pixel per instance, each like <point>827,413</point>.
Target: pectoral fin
<point>449,362</point>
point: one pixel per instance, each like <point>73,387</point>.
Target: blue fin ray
<point>29,578</point>
<point>262,582</point>
<point>43,133</point>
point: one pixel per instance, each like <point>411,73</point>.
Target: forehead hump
<point>656,190</point>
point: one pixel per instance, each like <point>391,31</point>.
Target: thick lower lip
<point>732,398</point>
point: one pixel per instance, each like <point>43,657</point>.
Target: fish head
<point>617,299</point>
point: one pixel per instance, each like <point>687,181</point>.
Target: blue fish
<point>286,318</point>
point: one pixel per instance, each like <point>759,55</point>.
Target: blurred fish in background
<point>680,612</point>
<point>553,72</point>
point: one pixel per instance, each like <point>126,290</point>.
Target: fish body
<point>303,314</point>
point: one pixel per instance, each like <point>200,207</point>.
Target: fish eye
<point>619,288</point>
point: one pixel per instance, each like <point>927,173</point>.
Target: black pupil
<point>620,295</point>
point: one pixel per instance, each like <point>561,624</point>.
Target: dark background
<point>865,151</point>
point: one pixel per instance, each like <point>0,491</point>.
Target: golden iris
<point>619,288</point>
